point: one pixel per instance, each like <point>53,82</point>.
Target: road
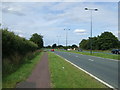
<point>104,69</point>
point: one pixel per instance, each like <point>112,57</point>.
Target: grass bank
<point>65,75</point>
<point>103,55</point>
<point>22,73</point>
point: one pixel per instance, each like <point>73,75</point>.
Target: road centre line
<point>100,57</point>
<point>90,59</point>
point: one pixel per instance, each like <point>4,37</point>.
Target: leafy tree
<point>74,46</point>
<point>84,44</point>
<point>37,39</point>
<point>60,46</point>
<point>54,46</point>
<point>48,46</point>
<point>103,42</point>
<point>95,43</point>
<point>107,41</point>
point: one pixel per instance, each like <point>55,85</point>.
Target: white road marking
<point>88,73</point>
<point>105,58</point>
<point>101,58</point>
<point>90,60</point>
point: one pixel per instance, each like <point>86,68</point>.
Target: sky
<point>51,18</point>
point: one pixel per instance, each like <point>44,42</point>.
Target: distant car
<point>52,50</point>
<point>115,51</point>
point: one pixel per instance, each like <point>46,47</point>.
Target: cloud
<point>79,31</point>
<point>74,13</point>
<point>12,9</point>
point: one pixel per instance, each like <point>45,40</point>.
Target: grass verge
<point>21,74</point>
<point>103,55</point>
<point>69,76</point>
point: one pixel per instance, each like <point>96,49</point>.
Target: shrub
<point>12,43</point>
<point>15,50</point>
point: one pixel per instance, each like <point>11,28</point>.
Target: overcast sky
<point>50,19</point>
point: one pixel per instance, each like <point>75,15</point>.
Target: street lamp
<point>91,9</point>
<point>66,36</point>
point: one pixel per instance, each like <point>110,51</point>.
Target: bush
<point>15,50</point>
<point>12,43</point>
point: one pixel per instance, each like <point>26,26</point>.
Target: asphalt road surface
<point>104,69</point>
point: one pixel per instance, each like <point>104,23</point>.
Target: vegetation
<point>15,51</point>
<point>61,46</point>
<point>48,46</point>
<point>103,42</point>
<point>37,39</point>
<point>14,44</point>
<point>54,46</point>
<point>74,46</point>
<point>22,73</point>
<point>65,75</point>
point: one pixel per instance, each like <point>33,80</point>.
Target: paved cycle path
<point>40,77</point>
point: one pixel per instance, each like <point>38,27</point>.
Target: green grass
<point>21,74</point>
<point>105,51</point>
<point>103,55</point>
<point>70,76</point>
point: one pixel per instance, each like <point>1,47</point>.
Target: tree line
<point>12,43</point>
<point>105,41</point>
<point>55,46</point>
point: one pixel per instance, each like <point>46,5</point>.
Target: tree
<point>74,46</point>
<point>48,46</point>
<point>60,46</point>
<point>84,44</point>
<point>107,41</point>
<point>103,42</point>
<point>37,39</point>
<point>95,43</point>
<point>54,46</point>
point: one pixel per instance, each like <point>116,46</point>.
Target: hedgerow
<point>14,50</point>
<point>13,43</point>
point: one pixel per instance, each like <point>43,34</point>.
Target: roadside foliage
<point>37,39</point>
<point>105,41</point>
<point>14,50</point>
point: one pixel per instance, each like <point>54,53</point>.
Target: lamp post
<point>91,10</point>
<point>66,37</point>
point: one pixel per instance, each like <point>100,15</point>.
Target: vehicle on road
<point>115,51</point>
<point>52,50</point>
